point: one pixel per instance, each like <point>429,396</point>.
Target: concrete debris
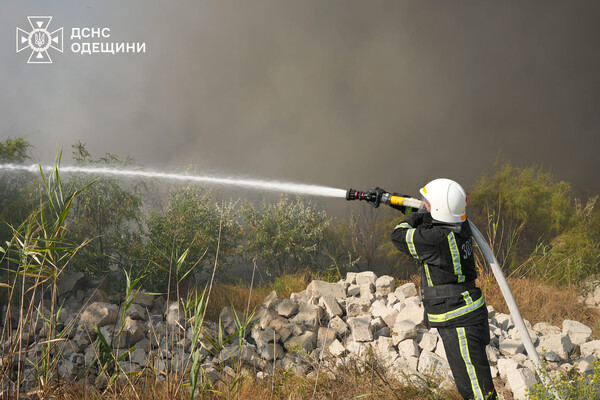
<point>359,316</point>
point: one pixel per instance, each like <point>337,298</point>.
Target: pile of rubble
<point>330,324</point>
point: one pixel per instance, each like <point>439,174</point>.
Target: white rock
<point>138,356</point>
<point>353,290</point>
<point>494,371</point>
<point>559,344</point>
<point>385,284</point>
<point>325,337</point>
<point>389,316</point>
<point>378,308</point>
<point>492,353</point>
<point>407,290</point>
<point>99,314</point>
<point>351,278</point>
<point>322,288</point>
<point>431,364</point>
<point>331,306</point>
<point>307,341</point>
<point>309,315</point>
<point>428,341</point>
<point>287,308</point>
<point>503,321</point>
<point>377,324</point>
<point>339,326</point>
<point>584,365</point>
<point>367,292</point>
<point>361,328</point>
<point>510,347</point>
<point>366,277</point>
<point>359,349</point>
<point>597,295</point>
<point>578,332</point>
<point>440,350</point>
<point>392,299</point>
<point>337,349</point>
<point>401,365</point>
<point>545,329</point>
<point>519,381</point>
<point>505,365</point>
<point>408,348</point>
<point>356,307</point>
<point>413,312</point>
<point>590,348</point>
<point>404,329</point>
<point>272,300</point>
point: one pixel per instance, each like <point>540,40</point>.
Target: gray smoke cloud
<point>334,93</point>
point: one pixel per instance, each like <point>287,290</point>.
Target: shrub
<point>194,222</point>
<point>286,236</point>
<point>572,255</point>
<point>521,207</point>
<point>109,212</point>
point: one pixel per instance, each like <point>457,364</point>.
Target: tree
<point>19,192</point>
<point>522,207</point>
<point>108,212</point>
<point>286,236</point>
<point>195,223</point>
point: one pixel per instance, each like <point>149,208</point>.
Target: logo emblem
<point>39,40</point>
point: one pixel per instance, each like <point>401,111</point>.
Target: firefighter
<point>439,237</point>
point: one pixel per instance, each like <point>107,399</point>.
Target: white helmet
<point>448,200</point>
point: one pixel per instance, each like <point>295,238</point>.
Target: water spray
<point>268,185</point>
<point>377,196</point>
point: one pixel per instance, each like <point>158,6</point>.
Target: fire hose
<point>376,197</point>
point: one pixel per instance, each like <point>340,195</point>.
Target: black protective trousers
<point>465,350</point>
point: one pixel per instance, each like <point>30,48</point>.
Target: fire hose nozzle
<point>373,198</point>
<point>377,196</point>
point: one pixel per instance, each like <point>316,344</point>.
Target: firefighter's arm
<point>413,240</point>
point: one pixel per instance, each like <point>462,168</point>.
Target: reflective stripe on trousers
<point>465,350</point>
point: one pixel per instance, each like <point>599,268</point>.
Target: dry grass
<point>236,296</point>
<point>348,384</point>
<point>540,302</point>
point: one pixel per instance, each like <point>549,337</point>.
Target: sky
<point>327,92</point>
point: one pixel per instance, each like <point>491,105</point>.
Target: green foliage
<point>362,242</point>
<point>109,212</point>
<point>573,254</point>
<point>286,236</point>
<point>192,222</point>
<point>14,150</point>
<point>19,193</point>
<point>570,385</point>
<point>522,207</point>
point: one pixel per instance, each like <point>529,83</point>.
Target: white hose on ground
<point>512,306</point>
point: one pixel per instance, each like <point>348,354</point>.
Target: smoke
<point>333,93</point>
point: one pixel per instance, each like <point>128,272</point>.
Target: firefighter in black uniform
<point>440,238</point>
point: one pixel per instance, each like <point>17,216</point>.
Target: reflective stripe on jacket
<point>446,254</point>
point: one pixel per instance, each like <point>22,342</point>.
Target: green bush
<point>535,226</point>
<point>19,191</point>
<point>109,212</point>
<point>522,207</point>
<point>191,222</point>
<point>287,236</point>
<point>572,255</point>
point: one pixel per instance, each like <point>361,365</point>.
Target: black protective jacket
<point>446,255</point>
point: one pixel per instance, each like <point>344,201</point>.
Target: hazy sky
<point>336,93</point>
